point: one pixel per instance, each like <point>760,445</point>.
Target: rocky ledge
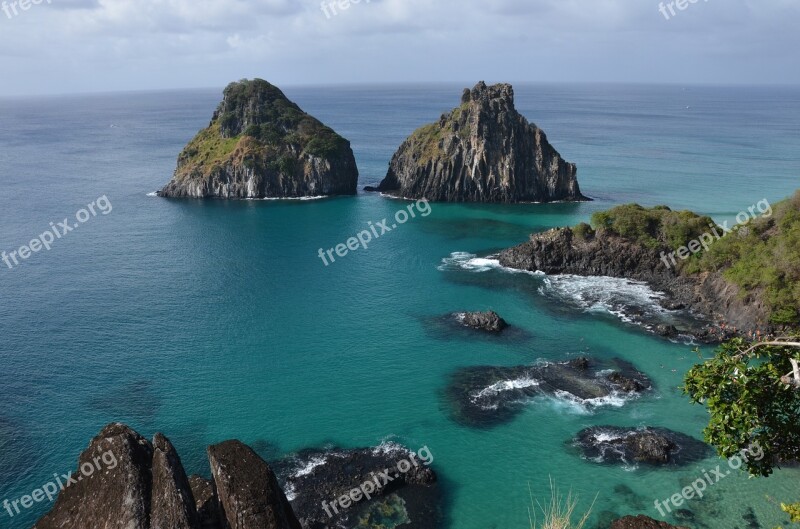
<point>490,321</point>
<point>147,488</point>
<point>482,151</point>
<point>486,396</point>
<point>260,144</point>
<point>652,446</point>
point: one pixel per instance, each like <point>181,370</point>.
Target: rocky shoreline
<point>147,488</point>
<point>723,312</point>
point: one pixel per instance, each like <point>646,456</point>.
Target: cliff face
<point>483,151</point>
<point>261,145</point>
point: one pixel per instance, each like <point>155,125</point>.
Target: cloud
<point>182,43</point>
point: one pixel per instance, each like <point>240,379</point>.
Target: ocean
<point>211,320</point>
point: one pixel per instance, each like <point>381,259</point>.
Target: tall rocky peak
<point>259,144</point>
<point>482,151</point>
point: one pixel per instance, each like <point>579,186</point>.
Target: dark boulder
<point>483,321</point>
<point>205,501</point>
<point>247,490</point>
<point>172,505</point>
<point>115,496</point>
<point>652,446</point>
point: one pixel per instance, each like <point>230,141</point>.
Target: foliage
<point>583,231</point>
<point>654,228</point>
<point>748,402</point>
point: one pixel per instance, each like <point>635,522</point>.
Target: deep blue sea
<point>210,320</point>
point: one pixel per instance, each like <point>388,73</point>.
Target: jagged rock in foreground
<point>485,396</point>
<point>111,498</point>
<point>653,446</point>
<point>483,321</point>
<point>642,522</point>
<point>248,493</point>
<point>144,486</point>
<point>482,151</point>
<point>172,504</point>
<point>261,145</point>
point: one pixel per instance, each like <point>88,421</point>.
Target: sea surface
<point>210,320</point>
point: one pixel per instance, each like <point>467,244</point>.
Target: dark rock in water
<point>653,446</point>
<point>483,321</point>
<point>371,189</point>
<point>260,145</point>
<point>248,493</point>
<point>116,497</point>
<point>482,151</point>
<point>641,522</point>
<point>172,505</point>
<point>485,396</point>
<point>399,484</point>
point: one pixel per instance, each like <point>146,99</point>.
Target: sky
<point>76,46</point>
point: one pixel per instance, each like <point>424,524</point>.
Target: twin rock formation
<point>259,144</point>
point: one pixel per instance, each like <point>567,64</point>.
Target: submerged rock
<point>482,151</point>
<point>260,144</point>
<point>483,321</point>
<point>641,522</point>
<point>485,396</point>
<point>401,487</point>
<point>653,446</point>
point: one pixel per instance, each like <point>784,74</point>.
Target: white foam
<point>310,465</point>
<point>153,194</point>
<point>471,262</point>
<point>506,385</point>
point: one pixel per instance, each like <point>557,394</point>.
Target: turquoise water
<point>212,320</point>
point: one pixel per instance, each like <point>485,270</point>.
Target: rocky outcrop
<point>136,484</point>
<point>563,251</point>
<point>652,446</point>
<point>641,522</point>
<point>172,505</point>
<point>482,151</point>
<point>338,487</point>
<point>247,490</point>
<point>115,496</point>
<point>260,144</point>
<point>483,321</point>
<point>486,396</point>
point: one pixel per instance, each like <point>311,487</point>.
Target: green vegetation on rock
<point>762,257</point>
<point>277,130</point>
<point>654,228</point>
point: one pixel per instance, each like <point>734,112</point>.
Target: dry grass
<point>558,512</point>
